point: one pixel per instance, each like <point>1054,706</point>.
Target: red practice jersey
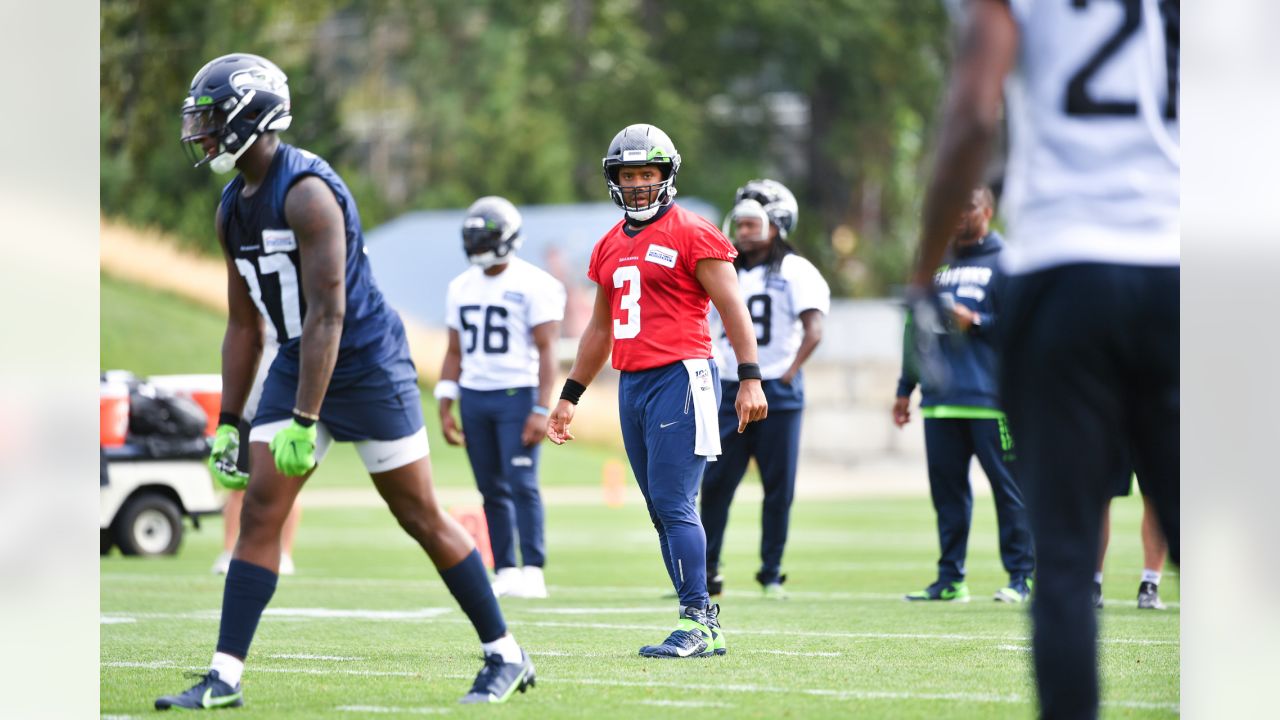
<point>659,308</point>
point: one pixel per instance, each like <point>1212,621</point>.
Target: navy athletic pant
<point>658,432</point>
<point>949,446</point>
<point>506,472</point>
<point>1089,373</point>
<point>775,444</point>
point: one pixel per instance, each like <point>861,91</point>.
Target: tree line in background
<point>430,104</point>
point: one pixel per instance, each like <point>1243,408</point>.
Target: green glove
<point>294,448</point>
<point>223,452</point>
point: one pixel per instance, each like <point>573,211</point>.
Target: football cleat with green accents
<point>956,591</point>
<point>717,635</point>
<point>691,638</point>
<point>1018,591</point>
<point>499,680</point>
<point>211,693</point>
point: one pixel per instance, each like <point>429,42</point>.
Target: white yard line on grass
<point>384,710</point>
<point>837,694</point>
<point>304,656</point>
<point>436,613</point>
<point>847,635</point>
<point>663,610</point>
<point>682,703</point>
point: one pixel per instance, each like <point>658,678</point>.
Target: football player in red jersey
<point>656,271</point>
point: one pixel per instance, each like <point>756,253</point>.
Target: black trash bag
<point>155,413</point>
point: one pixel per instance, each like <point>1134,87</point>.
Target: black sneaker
<point>211,693</point>
<point>498,680</point>
<point>715,584</point>
<point>1097,595</point>
<point>691,638</point>
<point>717,635</point>
<point>1149,597</point>
<point>941,591</point>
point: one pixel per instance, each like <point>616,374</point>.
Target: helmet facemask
<point>747,209</point>
<point>491,232</point>
<point>630,198</point>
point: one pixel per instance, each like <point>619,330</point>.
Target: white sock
<point>505,646</point>
<point>229,668</point>
<point>1097,577</point>
<point>1151,576</point>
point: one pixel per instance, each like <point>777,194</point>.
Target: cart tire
<point>149,524</point>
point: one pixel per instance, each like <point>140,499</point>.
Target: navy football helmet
<point>234,99</point>
<point>639,145</point>
<point>778,203</point>
<point>491,231</point>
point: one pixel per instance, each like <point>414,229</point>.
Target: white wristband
<point>446,389</point>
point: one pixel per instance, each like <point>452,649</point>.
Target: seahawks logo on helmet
<point>776,200</point>
<point>636,146</point>
<point>233,100</point>
<point>491,231</point>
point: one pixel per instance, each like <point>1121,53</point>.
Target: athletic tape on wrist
<point>446,390</point>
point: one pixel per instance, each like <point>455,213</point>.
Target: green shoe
<point>717,635</point>
<point>1018,591</point>
<point>956,591</point>
<point>691,638</point>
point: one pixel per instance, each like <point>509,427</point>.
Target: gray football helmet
<point>638,145</point>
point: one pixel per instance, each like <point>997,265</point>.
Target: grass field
<point>366,629</point>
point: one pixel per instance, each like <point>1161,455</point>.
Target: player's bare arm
<point>720,281</point>
<point>450,371</point>
<point>242,342</point>
<point>317,223</point>
<point>987,51</point>
<point>593,353</point>
<point>811,325</point>
<point>544,338</point>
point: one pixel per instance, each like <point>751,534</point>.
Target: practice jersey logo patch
<point>274,241</point>
<point>513,296</point>
<point>664,256</point>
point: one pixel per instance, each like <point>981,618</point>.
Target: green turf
<point>843,645</point>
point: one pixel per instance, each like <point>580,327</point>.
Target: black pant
<point>1089,370</point>
<point>950,444</point>
<point>775,444</point>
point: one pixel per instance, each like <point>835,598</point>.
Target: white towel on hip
<point>706,411</point>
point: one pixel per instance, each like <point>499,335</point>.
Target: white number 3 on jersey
<point>629,303</point>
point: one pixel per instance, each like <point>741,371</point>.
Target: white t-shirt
<point>774,302</point>
<point>1093,172</point>
<point>495,317</point>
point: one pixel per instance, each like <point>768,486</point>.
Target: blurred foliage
<point>431,103</point>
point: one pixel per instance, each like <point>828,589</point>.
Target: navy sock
<point>469,583</point>
<point>247,591</point>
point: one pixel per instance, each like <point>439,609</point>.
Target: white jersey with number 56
<point>1093,173</point>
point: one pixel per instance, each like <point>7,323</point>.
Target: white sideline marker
<point>683,703</point>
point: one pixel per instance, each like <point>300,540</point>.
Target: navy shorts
<point>380,403</point>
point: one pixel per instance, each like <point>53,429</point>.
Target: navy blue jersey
<point>265,251</point>
<point>971,277</point>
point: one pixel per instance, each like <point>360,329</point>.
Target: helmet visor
<point>202,132</point>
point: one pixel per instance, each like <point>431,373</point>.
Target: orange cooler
<point>113,413</point>
<point>205,390</point>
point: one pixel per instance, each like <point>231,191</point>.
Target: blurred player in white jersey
<point>1089,347</point>
<point>504,318</point>
<point>787,299</point>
